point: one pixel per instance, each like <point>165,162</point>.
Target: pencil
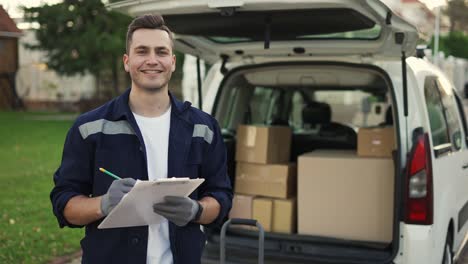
<point>110,174</point>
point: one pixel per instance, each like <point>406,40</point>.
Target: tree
<point>80,37</point>
<point>457,10</point>
<point>456,42</point>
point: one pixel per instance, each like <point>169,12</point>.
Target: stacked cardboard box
<point>271,180</point>
<point>348,195</point>
<point>265,185</point>
<point>277,215</point>
<point>263,144</point>
<point>376,142</point>
<point>343,196</point>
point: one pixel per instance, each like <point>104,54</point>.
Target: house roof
<point>8,27</point>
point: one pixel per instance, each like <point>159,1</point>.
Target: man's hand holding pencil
<point>116,192</point>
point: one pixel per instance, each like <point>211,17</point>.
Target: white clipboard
<point>136,207</point>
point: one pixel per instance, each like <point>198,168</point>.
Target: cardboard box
<point>272,180</point>
<point>284,216</point>
<point>344,196</point>
<point>262,144</point>
<point>241,206</point>
<point>262,211</point>
<point>376,142</point>
<point>275,215</point>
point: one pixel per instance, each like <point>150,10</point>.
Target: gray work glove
<point>179,210</point>
<point>115,193</point>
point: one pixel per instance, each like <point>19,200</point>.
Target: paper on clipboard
<point>136,207</point>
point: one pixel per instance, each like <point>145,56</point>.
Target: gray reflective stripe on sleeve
<point>203,131</point>
<point>106,127</point>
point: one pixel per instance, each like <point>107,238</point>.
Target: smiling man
<point>144,134</point>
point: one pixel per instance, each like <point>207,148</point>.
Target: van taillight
<point>419,195</point>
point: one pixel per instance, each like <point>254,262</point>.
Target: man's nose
<point>152,58</point>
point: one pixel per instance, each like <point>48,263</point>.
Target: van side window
<point>451,112</point>
<point>435,113</point>
<point>295,118</point>
<point>355,107</point>
<point>463,118</point>
<point>233,95</point>
<point>260,105</point>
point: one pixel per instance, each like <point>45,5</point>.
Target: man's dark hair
<point>147,21</point>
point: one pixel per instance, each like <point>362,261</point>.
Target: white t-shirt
<point>155,132</point>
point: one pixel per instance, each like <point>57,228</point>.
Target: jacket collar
<point>122,108</point>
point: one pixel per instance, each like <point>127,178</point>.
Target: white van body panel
<point>416,245</point>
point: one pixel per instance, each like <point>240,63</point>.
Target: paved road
<point>463,259</point>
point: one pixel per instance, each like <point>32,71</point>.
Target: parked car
<point>271,60</point>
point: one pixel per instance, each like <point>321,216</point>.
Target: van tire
<point>448,254</point>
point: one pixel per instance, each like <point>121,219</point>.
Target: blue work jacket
<point>109,137</point>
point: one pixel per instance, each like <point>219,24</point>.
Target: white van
<point>272,59</point>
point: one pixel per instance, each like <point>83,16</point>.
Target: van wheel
<point>448,255</point>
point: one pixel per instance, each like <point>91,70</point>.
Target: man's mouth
<point>151,71</point>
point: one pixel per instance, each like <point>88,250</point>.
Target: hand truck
<point>240,221</point>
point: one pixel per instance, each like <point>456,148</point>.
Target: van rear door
<point>241,29</point>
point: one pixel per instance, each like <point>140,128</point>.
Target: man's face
<point>150,60</point>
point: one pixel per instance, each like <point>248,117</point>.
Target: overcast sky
<point>11,5</point>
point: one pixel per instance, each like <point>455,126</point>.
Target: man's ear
<point>125,61</point>
<point>173,63</point>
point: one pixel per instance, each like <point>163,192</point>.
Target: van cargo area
<point>312,156</point>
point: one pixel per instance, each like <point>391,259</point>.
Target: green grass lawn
<point>31,149</point>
